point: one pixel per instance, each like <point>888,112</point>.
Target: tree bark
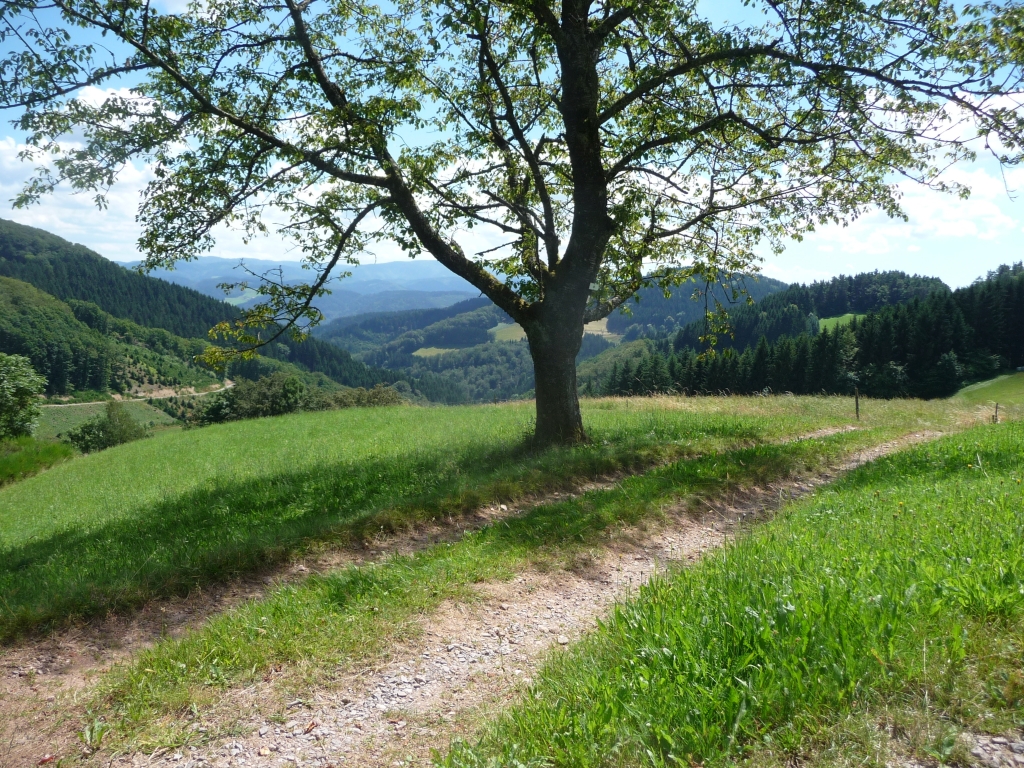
<point>554,343</point>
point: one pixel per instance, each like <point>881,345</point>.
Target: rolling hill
<point>69,271</point>
<point>652,309</point>
<point>72,272</point>
<point>798,308</point>
<point>77,346</point>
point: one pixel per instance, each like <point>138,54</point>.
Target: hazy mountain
<point>388,287</point>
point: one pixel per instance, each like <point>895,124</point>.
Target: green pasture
<point>432,351</point>
<point>112,529</point>
<point>830,323</point>
<point>507,332</point>
<point>356,614</point>
<point>897,593</point>
<point>1005,390</point>
<point>58,419</point>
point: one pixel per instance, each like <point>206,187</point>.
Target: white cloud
<point>954,239</point>
<point>114,232</point>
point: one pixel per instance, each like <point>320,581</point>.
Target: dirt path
<point>472,659</point>
<point>157,394</point>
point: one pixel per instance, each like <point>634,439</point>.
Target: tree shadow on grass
<point>230,528</point>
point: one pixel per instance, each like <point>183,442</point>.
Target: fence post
<point>856,401</point>
<point>995,419</point>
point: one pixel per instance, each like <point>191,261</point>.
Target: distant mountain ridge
<point>390,286</point>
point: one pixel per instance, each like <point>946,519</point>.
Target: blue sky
<point>956,240</point>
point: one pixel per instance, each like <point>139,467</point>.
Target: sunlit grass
<point>903,580</point>
<point>830,323</point>
<point>57,420</point>
<point>27,456</point>
<point>1006,390</point>
<point>159,516</point>
<point>327,623</point>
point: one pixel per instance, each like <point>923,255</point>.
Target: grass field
<point>159,516</point>
<point>56,420</point>
<point>356,614</point>
<point>1005,390</point>
<point>898,593</point>
<point>432,351</point>
<point>507,332</point>
<point>831,322</point>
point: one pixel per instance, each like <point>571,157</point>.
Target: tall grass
<point>25,456</point>
<point>872,588</point>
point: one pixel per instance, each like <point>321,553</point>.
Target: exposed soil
<point>470,660</point>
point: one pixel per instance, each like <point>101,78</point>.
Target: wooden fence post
<point>856,401</point>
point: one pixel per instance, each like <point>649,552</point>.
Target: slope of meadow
<point>900,589</point>
<point>1005,390</point>
<point>56,420</point>
<point>159,516</point>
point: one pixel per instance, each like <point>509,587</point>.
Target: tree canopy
<point>595,146</point>
<point>20,387</point>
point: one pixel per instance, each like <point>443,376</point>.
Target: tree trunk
<point>554,344</point>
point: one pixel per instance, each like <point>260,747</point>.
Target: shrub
<point>279,394</point>
<point>20,385</point>
<point>321,400</point>
<point>271,395</point>
<point>115,427</point>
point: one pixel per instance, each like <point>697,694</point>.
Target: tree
<point>20,385</point>
<point>115,427</point>
<point>600,146</point>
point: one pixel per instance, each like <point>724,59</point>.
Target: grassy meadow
<point>1006,390</point>
<point>328,621</point>
<point>56,420</point>
<point>897,593</point>
<point>830,323</point>
<point>112,529</point>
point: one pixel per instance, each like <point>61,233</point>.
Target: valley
<point>345,551</point>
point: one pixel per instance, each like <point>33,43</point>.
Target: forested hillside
<point>69,354</point>
<point>798,308</point>
<point>466,329</point>
<point>70,271</point>
<point>652,311</point>
<point>924,348</point>
<point>363,333</point>
<point>994,309</point>
<point>74,273</point>
<point>77,346</point>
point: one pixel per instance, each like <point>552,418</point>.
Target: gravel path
<point>472,659</point>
